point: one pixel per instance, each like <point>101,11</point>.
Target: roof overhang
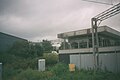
<point>104,30</point>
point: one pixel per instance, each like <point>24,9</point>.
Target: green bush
<point>30,74</point>
<point>22,58</point>
<point>51,58</point>
<point>59,69</point>
<point>25,49</point>
<point>10,73</point>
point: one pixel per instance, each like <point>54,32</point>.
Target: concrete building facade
<point>77,48</point>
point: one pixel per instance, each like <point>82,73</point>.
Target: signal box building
<point>77,48</point>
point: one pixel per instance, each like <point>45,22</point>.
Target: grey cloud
<point>38,19</point>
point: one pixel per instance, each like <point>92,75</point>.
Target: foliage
<point>47,46</point>
<point>30,74</point>
<point>57,72</point>
<point>20,63</point>
<point>35,50</point>
<point>60,72</point>
<point>19,48</point>
<point>21,56</point>
<point>59,69</point>
<point>26,49</point>
<point>51,58</point>
<point>10,73</point>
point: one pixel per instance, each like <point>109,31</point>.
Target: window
<point>74,45</point>
<point>83,44</point>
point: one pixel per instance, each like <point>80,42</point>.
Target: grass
<point>61,72</point>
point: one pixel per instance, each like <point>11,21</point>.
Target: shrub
<point>59,69</point>
<point>26,49</point>
<point>30,74</point>
<point>9,73</point>
<point>51,58</point>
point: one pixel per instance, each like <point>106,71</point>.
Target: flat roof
<point>105,30</point>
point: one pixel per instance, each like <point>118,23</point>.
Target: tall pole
<point>95,43</point>
<point>100,17</point>
<point>94,23</point>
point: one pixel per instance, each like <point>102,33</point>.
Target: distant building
<point>56,43</point>
<point>79,51</point>
<point>6,41</point>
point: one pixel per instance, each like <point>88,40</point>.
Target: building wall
<point>90,50</point>
<point>6,41</point>
<point>108,61</point>
<point>80,42</point>
<point>65,58</point>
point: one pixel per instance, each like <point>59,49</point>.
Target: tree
<point>47,46</point>
<point>38,49</point>
<point>26,49</point>
<point>50,58</point>
<point>20,48</point>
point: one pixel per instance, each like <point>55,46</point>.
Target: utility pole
<point>95,43</point>
<point>95,21</point>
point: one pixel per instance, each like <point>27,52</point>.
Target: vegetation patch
<point>20,63</point>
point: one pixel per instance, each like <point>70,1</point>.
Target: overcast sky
<point>43,19</point>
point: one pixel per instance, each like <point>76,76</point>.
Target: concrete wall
<point>109,61</point>
<point>82,61</point>
<point>90,50</point>
<point>64,58</point>
<point>75,59</point>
